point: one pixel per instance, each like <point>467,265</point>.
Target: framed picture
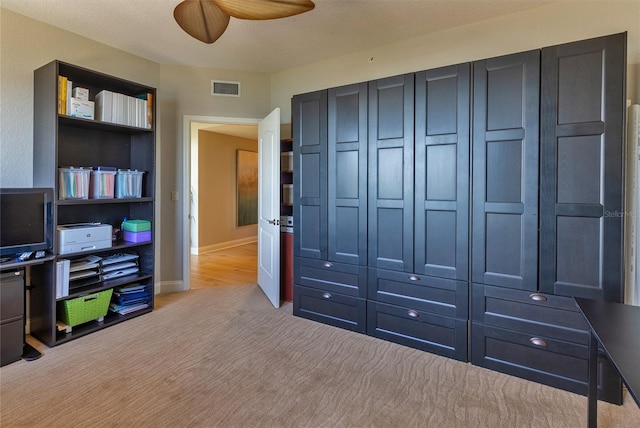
<point>247,187</point>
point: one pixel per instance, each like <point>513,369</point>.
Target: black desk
<point>617,328</point>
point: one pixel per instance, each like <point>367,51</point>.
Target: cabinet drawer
<point>11,294</point>
<point>11,341</point>
<point>349,280</point>
<point>533,313</point>
<point>551,362</point>
<point>418,329</point>
<point>420,292</point>
<point>330,308</point>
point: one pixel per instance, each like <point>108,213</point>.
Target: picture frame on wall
<point>246,187</point>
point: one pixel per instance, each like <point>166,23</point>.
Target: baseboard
<point>223,245</point>
<point>169,287</point>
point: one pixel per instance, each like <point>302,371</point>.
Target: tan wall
<point>27,45</point>
<point>217,189</point>
<point>548,25</point>
<point>186,91</point>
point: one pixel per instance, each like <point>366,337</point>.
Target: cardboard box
<point>82,109</point>
<point>81,93</point>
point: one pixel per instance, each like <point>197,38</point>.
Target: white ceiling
<point>243,131</point>
<point>335,27</point>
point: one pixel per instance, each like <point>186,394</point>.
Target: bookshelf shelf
<point>64,120</point>
<point>286,211</point>
<point>93,326</point>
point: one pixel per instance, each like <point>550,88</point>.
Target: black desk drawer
<point>11,294</point>
<point>420,292</point>
<point>532,313</point>
<point>11,341</point>
<point>349,280</point>
<point>330,308</point>
<point>418,329</point>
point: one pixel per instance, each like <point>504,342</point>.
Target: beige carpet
<point>222,357</point>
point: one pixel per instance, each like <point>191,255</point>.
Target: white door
<point>269,206</point>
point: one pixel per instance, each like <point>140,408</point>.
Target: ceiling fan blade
<point>201,19</point>
<point>264,9</point>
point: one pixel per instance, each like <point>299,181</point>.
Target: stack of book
<point>74,101</point>
<point>124,110</point>
<point>129,298</point>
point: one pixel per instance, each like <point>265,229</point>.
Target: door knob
<point>274,222</point>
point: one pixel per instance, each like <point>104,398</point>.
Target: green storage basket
<point>85,308</point>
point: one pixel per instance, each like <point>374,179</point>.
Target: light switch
<point>174,195</point>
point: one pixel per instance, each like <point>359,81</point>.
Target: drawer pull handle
<point>326,295</point>
<point>413,314</point>
<point>327,264</point>
<point>414,278</point>
<point>538,342</point>
<point>538,297</point>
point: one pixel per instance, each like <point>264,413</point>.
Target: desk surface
<point>15,263</point>
<point>617,328</point>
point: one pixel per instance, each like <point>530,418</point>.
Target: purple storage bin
<point>137,236</point>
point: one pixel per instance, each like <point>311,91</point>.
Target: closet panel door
<point>309,129</point>
<point>442,172</point>
<point>582,153</point>
<point>391,119</point>
<point>505,171</point>
<point>347,174</point>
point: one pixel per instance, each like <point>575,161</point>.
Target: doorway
<point>232,255</point>
<point>229,266</point>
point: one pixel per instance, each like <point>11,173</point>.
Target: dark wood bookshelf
<point>62,141</point>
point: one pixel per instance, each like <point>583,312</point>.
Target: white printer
<point>74,238</point>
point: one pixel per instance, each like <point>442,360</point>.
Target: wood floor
<point>232,266</point>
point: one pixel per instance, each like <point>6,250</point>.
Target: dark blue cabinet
<point>506,106</point>
<point>581,172</point>
<point>441,220</point>
<point>537,238</point>
<point>457,210</point>
<point>347,174</point>
<point>391,104</point>
<point>330,206</point>
<point>309,130</point>
<point>419,210</point>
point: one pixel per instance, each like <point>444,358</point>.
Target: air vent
<point>225,89</point>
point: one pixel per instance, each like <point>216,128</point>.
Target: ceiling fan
<point>206,20</point>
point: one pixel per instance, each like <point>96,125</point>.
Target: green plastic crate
<point>85,308</point>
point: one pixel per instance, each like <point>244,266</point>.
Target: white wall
<point>548,25</point>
